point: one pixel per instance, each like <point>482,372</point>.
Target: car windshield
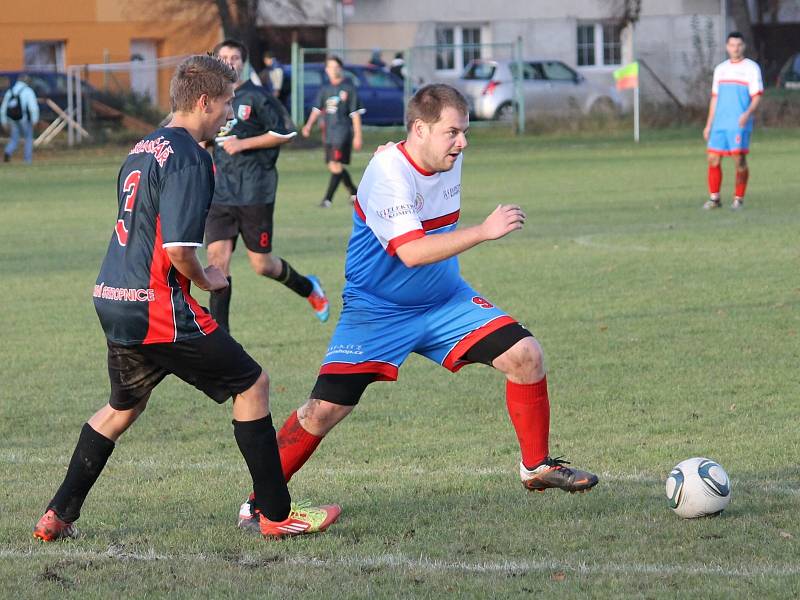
<point>479,70</point>
<point>312,77</point>
<point>351,77</point>
<point>379,79</point>
<point>529,70</point>
<point>558,71</point>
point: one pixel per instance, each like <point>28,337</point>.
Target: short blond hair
<point>198,75</point>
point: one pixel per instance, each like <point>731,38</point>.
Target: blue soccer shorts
<point>376,338</point>
<point>729,141</point>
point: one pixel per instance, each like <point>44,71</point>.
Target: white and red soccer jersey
<point>399,202</point>
<point>734,85</point>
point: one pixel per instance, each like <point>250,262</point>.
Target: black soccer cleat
<point>553,474</point>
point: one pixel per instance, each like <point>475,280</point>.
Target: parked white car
<point>549,86</point>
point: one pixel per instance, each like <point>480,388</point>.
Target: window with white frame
<point>44,55</point>
<point>461,44</point>
<point>599,44</point>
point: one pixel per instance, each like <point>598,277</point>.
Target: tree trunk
<point>741,16</point>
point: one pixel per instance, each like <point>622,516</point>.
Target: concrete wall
<point>663,37</point>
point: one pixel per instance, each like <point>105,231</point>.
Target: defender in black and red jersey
<point>153,325</point>
<point>245,157</point>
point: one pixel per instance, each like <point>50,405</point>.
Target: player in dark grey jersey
<point>155,328</point>
<point>245,157</point>
<point>341,109</point>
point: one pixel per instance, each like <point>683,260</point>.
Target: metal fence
<point>422,65</point>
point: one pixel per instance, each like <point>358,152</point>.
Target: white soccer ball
<point>698,487</point>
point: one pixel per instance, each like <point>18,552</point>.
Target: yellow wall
<point>95,31</point>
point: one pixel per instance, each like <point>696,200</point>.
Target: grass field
<point>669,333</point>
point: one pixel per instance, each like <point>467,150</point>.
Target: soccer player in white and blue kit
<point>735,95</point>
<point>404,294</point>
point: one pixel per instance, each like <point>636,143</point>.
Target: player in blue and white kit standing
<point>404,294</point>
<point>735,96</point>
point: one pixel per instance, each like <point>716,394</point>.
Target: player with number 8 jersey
<point>139,296</point>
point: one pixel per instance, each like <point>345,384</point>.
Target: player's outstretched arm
<point>233,145</point>
<point>434,248</point>
<point>184,258</point>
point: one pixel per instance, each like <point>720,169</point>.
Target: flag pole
<point>636,113</point>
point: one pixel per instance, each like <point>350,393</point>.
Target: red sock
<point>714,179</point>
<point>529,409</point>
<point>296,446</point>
<point>741,182</point>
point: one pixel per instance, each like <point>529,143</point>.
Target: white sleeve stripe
<point>360,111</point>
<point>173,244</point>
<point>285,136</point>
<point>314,108</point>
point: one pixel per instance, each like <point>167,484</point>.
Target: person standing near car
<point>19,112</point>
<point>245,157</point>
<point>735,95</point>
<point>341,108</point>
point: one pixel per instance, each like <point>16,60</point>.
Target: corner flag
<point>627,77</point>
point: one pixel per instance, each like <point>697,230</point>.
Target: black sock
<point>332,185</point>
<point>88,460</point>
<point>257,443</point>
<point>294,281</point>
<point>348,183</point>
<point>220,304</point>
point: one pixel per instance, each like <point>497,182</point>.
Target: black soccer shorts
<point>215,364</point>
<point>338,153</point>
<point>253,221</point>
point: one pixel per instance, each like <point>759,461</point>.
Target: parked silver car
<point>549,86</point>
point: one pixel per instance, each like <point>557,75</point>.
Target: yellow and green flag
<point>627,77</point>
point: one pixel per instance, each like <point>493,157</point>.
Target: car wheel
<point>603,106</point>
<point>504,112</point>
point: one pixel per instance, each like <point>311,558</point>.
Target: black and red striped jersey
<point>164,189</point>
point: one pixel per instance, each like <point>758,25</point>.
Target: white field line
<point>380,473</point>
<point>402,563</point>
<point>588,241</point>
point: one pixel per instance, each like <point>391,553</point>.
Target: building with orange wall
<point>53,34</point>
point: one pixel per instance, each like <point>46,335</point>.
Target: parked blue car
<point>380,92</point>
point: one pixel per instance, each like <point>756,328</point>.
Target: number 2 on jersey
<point>129,187</point>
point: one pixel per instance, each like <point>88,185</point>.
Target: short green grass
<point>669,332</point>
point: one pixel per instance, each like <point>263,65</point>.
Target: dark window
<point>470,35</point>
<point>445,57</point>
<point>612,47</point>
<point>586,45</point>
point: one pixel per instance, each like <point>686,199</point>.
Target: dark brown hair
<point>232,43</point>
<point>429,102</point>
<point>198,75</point>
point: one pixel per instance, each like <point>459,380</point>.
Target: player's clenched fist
<point>503,220</point>
<point>216,279</point>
